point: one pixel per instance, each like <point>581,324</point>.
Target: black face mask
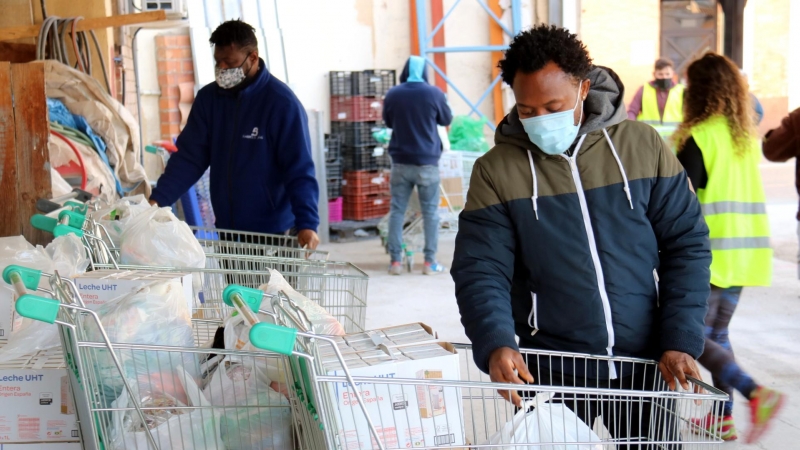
<point>664,83</point>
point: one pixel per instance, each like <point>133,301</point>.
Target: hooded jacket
<point>412,110</point>
<point>602,250</point>
<point>256,141</point>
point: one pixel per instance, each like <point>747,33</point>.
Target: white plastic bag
<point>322,321</point>
<point>256,416</point>
<point>155,314</point>
<point>547,423</point>
<point>116,217</point>
<point>156,237</point>
<point>65,254</point>
<point>172,427</point>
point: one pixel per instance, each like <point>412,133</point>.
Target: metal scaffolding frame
<point>426,50</point>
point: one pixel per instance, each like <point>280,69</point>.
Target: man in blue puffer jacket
<point>252,131</point>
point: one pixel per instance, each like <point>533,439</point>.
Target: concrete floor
<point>764,331</point>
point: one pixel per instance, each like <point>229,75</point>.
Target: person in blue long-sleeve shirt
<point>252,131</point>
<point>413,110</point>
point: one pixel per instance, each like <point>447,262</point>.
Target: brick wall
<point>625,37</point>
<point>124,68</point>
<point>175,66</point>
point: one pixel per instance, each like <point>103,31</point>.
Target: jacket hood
<point>603,108</point>
<point>414,71</point>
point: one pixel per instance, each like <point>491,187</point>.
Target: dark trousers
<point>633,422</point>
<point>718,354</point>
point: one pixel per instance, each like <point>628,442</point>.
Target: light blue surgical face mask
<point>554,133</point>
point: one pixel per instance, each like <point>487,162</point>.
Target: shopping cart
<point>130,396</point>
<point>569,412</point>
<point>414,226</point>
<point>339,287</point>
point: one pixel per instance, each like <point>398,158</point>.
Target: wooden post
<point>496,38</point>
<point>32,131</point>
<point>9,194</point>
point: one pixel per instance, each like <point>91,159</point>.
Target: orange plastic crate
<point>364,182</point>
<point>366,207</point>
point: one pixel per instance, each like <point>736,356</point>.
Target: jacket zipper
<point>658,294</point>
<point>230,158</point>
<point>533,315</point>
<point>598,269</point>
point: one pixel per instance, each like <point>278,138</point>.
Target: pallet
<point>345,231</point>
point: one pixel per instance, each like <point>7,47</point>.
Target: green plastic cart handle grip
<point>251,296</point>
<point>63,230</point>
<point>76,220</point>
<point>37,308</point>
<point>30,277</point>
<point>44,223</point>
<point>80,208</point>
<point>273,338</point>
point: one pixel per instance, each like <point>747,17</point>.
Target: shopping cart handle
<point>251,296</point>
<point>74,219</point>
<point>30,277</point>
<point>37,308</point>
<point>46,206</point>
<point>44,223</point>
<point>273,338</point>
<point>82,196</point>
<point>80,208</point>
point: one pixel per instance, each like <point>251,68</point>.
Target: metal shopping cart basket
<point>339,287</point>
<point>130,396</point>
<point>413,226</point>
<point>637,410</point>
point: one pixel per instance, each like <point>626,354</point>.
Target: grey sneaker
<point>396,268</point>
<point>433,269</point>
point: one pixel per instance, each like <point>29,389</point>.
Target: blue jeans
<point>426,179</point>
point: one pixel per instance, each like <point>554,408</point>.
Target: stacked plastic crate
<point>356,113</point>
<point>333,170</point>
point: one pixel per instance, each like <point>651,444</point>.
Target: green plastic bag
<point>466,134</point>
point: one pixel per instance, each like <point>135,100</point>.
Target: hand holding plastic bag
<point>548,423</point>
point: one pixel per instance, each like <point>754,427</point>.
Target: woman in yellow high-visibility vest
<point>720,150</point>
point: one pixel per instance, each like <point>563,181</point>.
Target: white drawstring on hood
<point>535,186</point>
<point>626,187</point>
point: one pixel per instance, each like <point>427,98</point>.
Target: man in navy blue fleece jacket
<point>252,131</point>
<point>413,110</point>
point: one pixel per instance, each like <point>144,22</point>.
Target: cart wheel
<point>409,261</point>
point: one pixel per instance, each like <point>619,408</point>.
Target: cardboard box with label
<point>455,193</point>
<point>100,286</point>
<point>405,415</point>
<point>36,406</point>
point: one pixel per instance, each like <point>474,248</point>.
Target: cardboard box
<point>455,192</point>
<point>451,165</point>
<point>405,415</point>
<point>44,446</point>
<point>32,407</point>
<point>98,287</point>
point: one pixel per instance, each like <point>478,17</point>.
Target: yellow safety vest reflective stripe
<point>673,110</point>
<point>733,203</point>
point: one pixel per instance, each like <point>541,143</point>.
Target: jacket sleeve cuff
<point>156,197</point>
<point>490,342</point>
<point>306,226</point>
<point>682,341</point>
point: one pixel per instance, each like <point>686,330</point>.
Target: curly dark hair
<point>235,32</point>
<point>533,49</point>
<point>716,87</point>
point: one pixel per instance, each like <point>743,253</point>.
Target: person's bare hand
<point>678,365</point>
<point>507,365</point>
<point>153,203</point>
<point>308,239</point>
